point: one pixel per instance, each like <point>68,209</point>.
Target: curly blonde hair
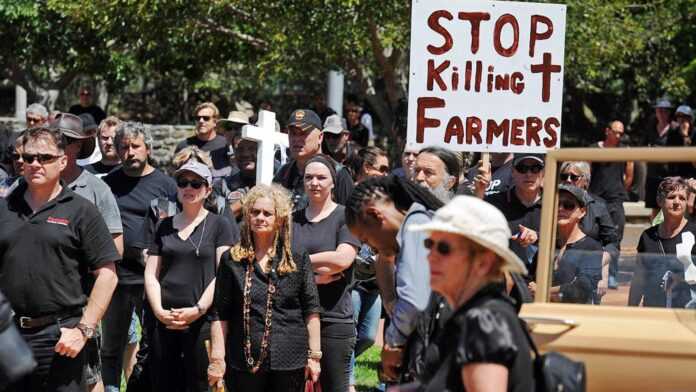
<point>283,233</point>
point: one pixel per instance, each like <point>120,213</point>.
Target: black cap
<point>304,119</point>
<point>579,194</point>
<point>519,157</point>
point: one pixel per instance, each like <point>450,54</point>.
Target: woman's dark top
<point>597,223</point>
<point>579,270</point>
<point>295,298</point>
<point>325,236</point>
<point>184,275</point>
<point>656,256</point>
<point>484,330</point>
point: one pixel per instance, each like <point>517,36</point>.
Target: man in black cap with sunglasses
<point>521,205</point>
<point>51,241</point>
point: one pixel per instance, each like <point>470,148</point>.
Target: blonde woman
<point>267,335</point>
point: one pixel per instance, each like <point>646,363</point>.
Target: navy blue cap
<point>304,119</point>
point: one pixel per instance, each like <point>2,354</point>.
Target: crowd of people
<point>180,278</point>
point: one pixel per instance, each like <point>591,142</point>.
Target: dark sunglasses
<point>204,118</point>
<point>15,156</point>
<point>382,169</point>
<point>195,184</point>
<point>525,168</point>
<point>441,247</point>
<point>567,205</point>
<point>573,177</point>
<point>42,158</point>
<point>71,140</point>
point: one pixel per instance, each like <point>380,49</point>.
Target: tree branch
<point>215,26</point>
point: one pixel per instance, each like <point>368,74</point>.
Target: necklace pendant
<point>196,252</point>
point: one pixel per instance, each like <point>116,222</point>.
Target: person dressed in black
<point>87,105</point>
<point>267,336</point>
<point>665,253</point>
<point>321,230</point>
<point>180,283</point>
<point>482,346</point>
<point>51,240</point>
<point>578,264</point>
<point>207,139</point>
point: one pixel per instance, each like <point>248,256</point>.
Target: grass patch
<point>366,369</point>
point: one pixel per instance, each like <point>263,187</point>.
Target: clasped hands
<point>178,318</point>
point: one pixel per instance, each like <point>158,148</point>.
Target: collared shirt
<point>45,255</point>
<point>412,277</point>
<point>95,190</point>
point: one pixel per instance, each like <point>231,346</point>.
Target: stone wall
<point>166,137</point>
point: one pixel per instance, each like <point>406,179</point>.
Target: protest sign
<point>486,75</point>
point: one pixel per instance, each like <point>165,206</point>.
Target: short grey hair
<point>132,129</point>
<point>581,166</point>
<point>39,109</point>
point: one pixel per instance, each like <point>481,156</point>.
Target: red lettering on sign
<point>516,132</point>
<point>434,24</point>
<point>499,24</point>
<point>475,19</point>
<point>454,128</point>
<point>473,129</point>
<point>497,130</point>
<point>423,122</point>
<point>434,74</point>
<point>550,126</point>
<point>516,83</point>
<point>546,69</point>
<point>535,35</point>
<point>534,125</point>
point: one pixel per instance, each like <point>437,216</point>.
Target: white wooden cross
<point>264,133</point>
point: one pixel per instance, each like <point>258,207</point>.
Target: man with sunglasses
<point>521,205</point>
<point>36,115</point>
<point>87,106</point>
<point>51,241</point>
<point>337,139</point>
<point>137,186</point>
<point>207,139</point>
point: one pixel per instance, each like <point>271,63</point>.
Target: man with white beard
<point>437,169</point>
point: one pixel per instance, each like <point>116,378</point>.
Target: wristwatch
<point>200,310</point>
<point>316,355</point>
<point>87,331</point>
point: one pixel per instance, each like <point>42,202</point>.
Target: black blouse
<point>485,330</point>
<point>579,271</point>
<point>295,298</point>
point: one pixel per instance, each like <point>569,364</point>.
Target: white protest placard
<point>486,75</point>
<point>264,133</point>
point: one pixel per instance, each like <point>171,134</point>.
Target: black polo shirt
<point>517,214</point>
<point>45,255</point>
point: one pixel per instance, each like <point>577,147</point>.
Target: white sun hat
<point>480,222</point>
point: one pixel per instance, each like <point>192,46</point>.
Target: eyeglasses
<point>195,184</point>
<point>15,156</point>
<point>71,140</point>
<point>567,205</point>
<point>441,247</point>
<point>384,169</point>
<point>34,120</point>
<point>204,118</point>
<point>572,177</point>
<point>526,168</point>
<point>42,158</point>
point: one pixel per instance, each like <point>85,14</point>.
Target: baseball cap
<point>88,123</point>
<point>663,103</point>
<point>579,194</point>
<point>519,157</point>
<point>685,110</point>
<point>480,222</point>
<point>304,119</point>
<point>197,168</point>
<point>334,125</point>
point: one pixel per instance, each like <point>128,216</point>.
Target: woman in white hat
<point>482,346</point>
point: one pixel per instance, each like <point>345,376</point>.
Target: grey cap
<point>334,124</point>
<point>519,157</point>
<point>88,123</point>
<point>685,110</point>
<point>197,168</point>
<point>663,103</point>
<point>39,109</point>
<point>579,194</point>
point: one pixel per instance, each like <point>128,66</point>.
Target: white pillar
<point>20,103</point>
<point>334,91</point>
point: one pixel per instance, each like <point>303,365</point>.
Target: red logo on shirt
<point>58,221</point>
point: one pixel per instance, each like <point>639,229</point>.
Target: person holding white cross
<point>305,134</point>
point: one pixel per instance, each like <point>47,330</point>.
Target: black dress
<point>484,330</point>
<point>579,271</point>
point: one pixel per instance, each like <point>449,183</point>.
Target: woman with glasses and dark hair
<point>321,230</point>
<point>665,268</point>
<point>9,183</point>
<point>597,222</point>
<point>180,283</point>
<point>368,162</point>
<point>267,335</point>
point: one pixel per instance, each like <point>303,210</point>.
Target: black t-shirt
<point>295,298</point>
<point>184,272</point>
<point>656,256</point>
<point>517,214</point>
<point>325,236</point>
<point>96,112</point>
<point>607,181</point>
<point>100,170</point>
<point>501,179</point>
<point>218,149</point>
<point>290,177</point>
<point>485,330</point>
<point>579,270</point>
<point>45,255</point>
<point>359,134</point>
<point>134,196</point>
